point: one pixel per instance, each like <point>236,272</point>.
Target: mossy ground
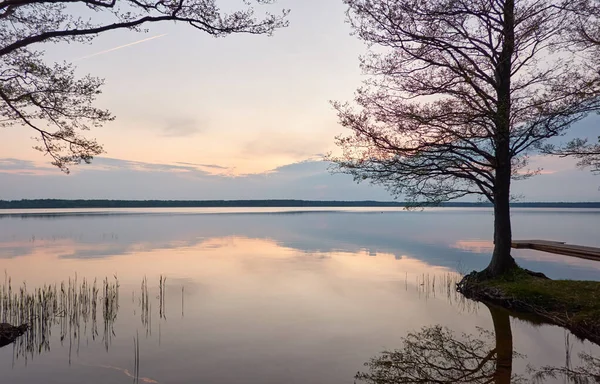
<point>570,303</point>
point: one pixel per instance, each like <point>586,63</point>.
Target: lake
<point>266,295</point>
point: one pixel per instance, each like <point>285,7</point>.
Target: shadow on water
<point>435,354</point>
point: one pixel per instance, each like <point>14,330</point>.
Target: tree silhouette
<point>461,92</point>
<point>587,154</point>
<point>585,34</point>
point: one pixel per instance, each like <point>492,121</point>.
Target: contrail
<point>121,46</point>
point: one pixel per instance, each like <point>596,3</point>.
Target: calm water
<point>268,296</point>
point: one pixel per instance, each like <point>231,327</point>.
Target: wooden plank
<point>529,243</point>
<point>584,252</point>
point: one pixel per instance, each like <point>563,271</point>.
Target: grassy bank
<point>569,303</point>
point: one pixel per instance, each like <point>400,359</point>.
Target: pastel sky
<point>237,117</point>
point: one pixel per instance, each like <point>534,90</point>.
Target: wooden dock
<point>583,252</point>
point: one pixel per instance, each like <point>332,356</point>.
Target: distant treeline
<point>55,203</point>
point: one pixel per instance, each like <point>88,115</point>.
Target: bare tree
<point>460,93</point>
<point>50,99</point>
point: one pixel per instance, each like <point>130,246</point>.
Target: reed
<point>161,297</point>
<point>145,306</point>
<point>443,285</point>
<point>136,359</point>
<point>70,307</point>
<point>75,309</point>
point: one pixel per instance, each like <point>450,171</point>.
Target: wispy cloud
<point>181,127</point>
<point>111,178</point>
<point>281,143</point>
<point>23,167</point>
<point>204,165</point>
<point>121,47</point>
<point>111,164</point>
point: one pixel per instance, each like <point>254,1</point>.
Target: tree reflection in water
<point>436,355</point>
<point>587,373</point>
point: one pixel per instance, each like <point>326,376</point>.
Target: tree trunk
<point>502,261</point>
<point>504,345</point>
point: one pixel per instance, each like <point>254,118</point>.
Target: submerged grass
<point>572,304</point>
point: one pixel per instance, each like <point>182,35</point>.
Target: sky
<point>241,117</point>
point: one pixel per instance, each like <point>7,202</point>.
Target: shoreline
<point>262,203</point>
<point>571,304</point>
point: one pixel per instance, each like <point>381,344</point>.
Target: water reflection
<point>588,372</point>
<point>435,354</point>
<point>437,238</point>
<point>253,299</point>
<point>72,308</point>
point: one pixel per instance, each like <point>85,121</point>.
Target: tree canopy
<point>451,82</point>
<point>587,154</point>
<point>585,34</point>
<point>49,98</point>
<point>461,93</point>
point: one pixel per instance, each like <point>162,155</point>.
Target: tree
<point>460,94</point>
<point>49,98</point>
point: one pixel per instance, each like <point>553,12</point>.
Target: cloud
<point>110,164</point>
<point>203,165</point>
<point>17,166</point>
<point>121,47</point>
<point>181,127</point>
<point>24,167</point>
<point>303,168</point>
<point>10,164</point>
<point>110,178</point>
<point>298,146</point>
